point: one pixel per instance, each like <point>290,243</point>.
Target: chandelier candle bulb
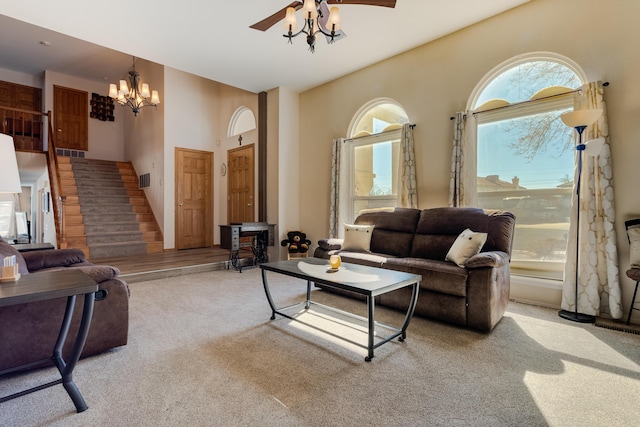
<point>333,23</point>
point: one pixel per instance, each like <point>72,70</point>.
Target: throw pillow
<point>466,245</point>
<point>357,237</point>
<point>634,247</point>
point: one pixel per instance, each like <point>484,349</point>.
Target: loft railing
<point>26,128</point>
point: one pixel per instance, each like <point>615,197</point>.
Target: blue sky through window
<point>549,166</point>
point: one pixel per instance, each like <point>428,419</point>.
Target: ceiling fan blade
<point>383,3</point>
<point>270,21</point>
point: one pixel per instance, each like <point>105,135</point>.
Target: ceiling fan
<point>270,21</point>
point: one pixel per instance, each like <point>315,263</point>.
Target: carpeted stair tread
<point>112,226</point>
<point>102,250</point>
<point>101,218</point>
<point>113,237</point>
<point>98,191</point>
<point>105,199</point>
<point>112,208</point>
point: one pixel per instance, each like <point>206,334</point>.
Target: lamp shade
<point>9,175</point>
<point>580,117</point>
<point>593,147</point>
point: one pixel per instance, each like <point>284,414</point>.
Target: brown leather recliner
<point>28,331</point>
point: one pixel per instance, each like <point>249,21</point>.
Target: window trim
<point>352,144</point>
<point>535,269</point>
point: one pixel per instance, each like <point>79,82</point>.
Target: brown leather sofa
<point>417,241</point>
<point>28,331</point>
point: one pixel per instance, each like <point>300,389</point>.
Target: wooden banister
<point>57,197</point>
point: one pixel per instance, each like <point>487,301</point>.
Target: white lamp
<point>9,175</point>
<point>579,120</point>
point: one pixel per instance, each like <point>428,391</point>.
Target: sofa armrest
<point>99,273</point>
<point>488,259</point>
<point>330,244</point>
<point>37,260</point>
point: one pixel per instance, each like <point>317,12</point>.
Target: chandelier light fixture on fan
<point>135,95</point>
<point>318,18</point>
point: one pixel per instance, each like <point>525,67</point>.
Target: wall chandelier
<point>134,95</point>
<point>317,19</point>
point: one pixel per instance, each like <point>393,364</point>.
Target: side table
<point>49,285</point>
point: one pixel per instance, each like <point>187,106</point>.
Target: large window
<point>525,158</point>
<point>372,156</point>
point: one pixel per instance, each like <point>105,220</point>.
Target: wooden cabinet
<point>15,120</point>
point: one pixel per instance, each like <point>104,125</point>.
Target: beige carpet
<point>203,352</point>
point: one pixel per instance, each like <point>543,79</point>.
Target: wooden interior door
<point>71,118</point>
<point>194,199</point>
<point>241,186</point>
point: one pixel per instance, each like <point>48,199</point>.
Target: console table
<point>28,247</point>
<point>47,285</point>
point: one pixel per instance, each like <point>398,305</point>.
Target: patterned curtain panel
<point>599,281</point>
<point>337,192</point>
<point>407,190</point>
<point>463,182</point>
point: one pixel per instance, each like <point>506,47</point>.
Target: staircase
<point>105,213</point>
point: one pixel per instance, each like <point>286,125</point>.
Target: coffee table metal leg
<point>372,328</point>
<point>266,291</point>
<point>412,306</point>
<point>308,302</point>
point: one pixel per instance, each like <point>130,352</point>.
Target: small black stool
<point>633,273</point>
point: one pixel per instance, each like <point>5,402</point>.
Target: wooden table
<point>47,285</point>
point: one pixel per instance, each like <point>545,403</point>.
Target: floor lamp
<point>579,120</point>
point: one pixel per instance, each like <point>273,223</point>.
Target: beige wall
<point>194,113</point>
<point>434,81</point>
<point>144,136</point>
<point>106,139</point>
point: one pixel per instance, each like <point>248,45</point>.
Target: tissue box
<point>10,274</point>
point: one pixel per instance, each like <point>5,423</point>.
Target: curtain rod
<point>605,84</point>
<point>412,126</point>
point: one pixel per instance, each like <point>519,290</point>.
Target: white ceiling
<point>212,38</point>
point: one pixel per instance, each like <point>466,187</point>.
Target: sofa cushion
<point>465,246</point>
<point>438,228</point>
<point>437,276</point>
<point>394,231</point>
<point>6,250</point>
<point>363,258</point>
<point>357,237</point>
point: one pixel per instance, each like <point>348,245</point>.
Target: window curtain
<point>599,283</point>
<point>407,188</point>
<point>338,187</point>
<point>463,182</point>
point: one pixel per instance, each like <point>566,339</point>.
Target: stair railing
<point>58,199</point>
